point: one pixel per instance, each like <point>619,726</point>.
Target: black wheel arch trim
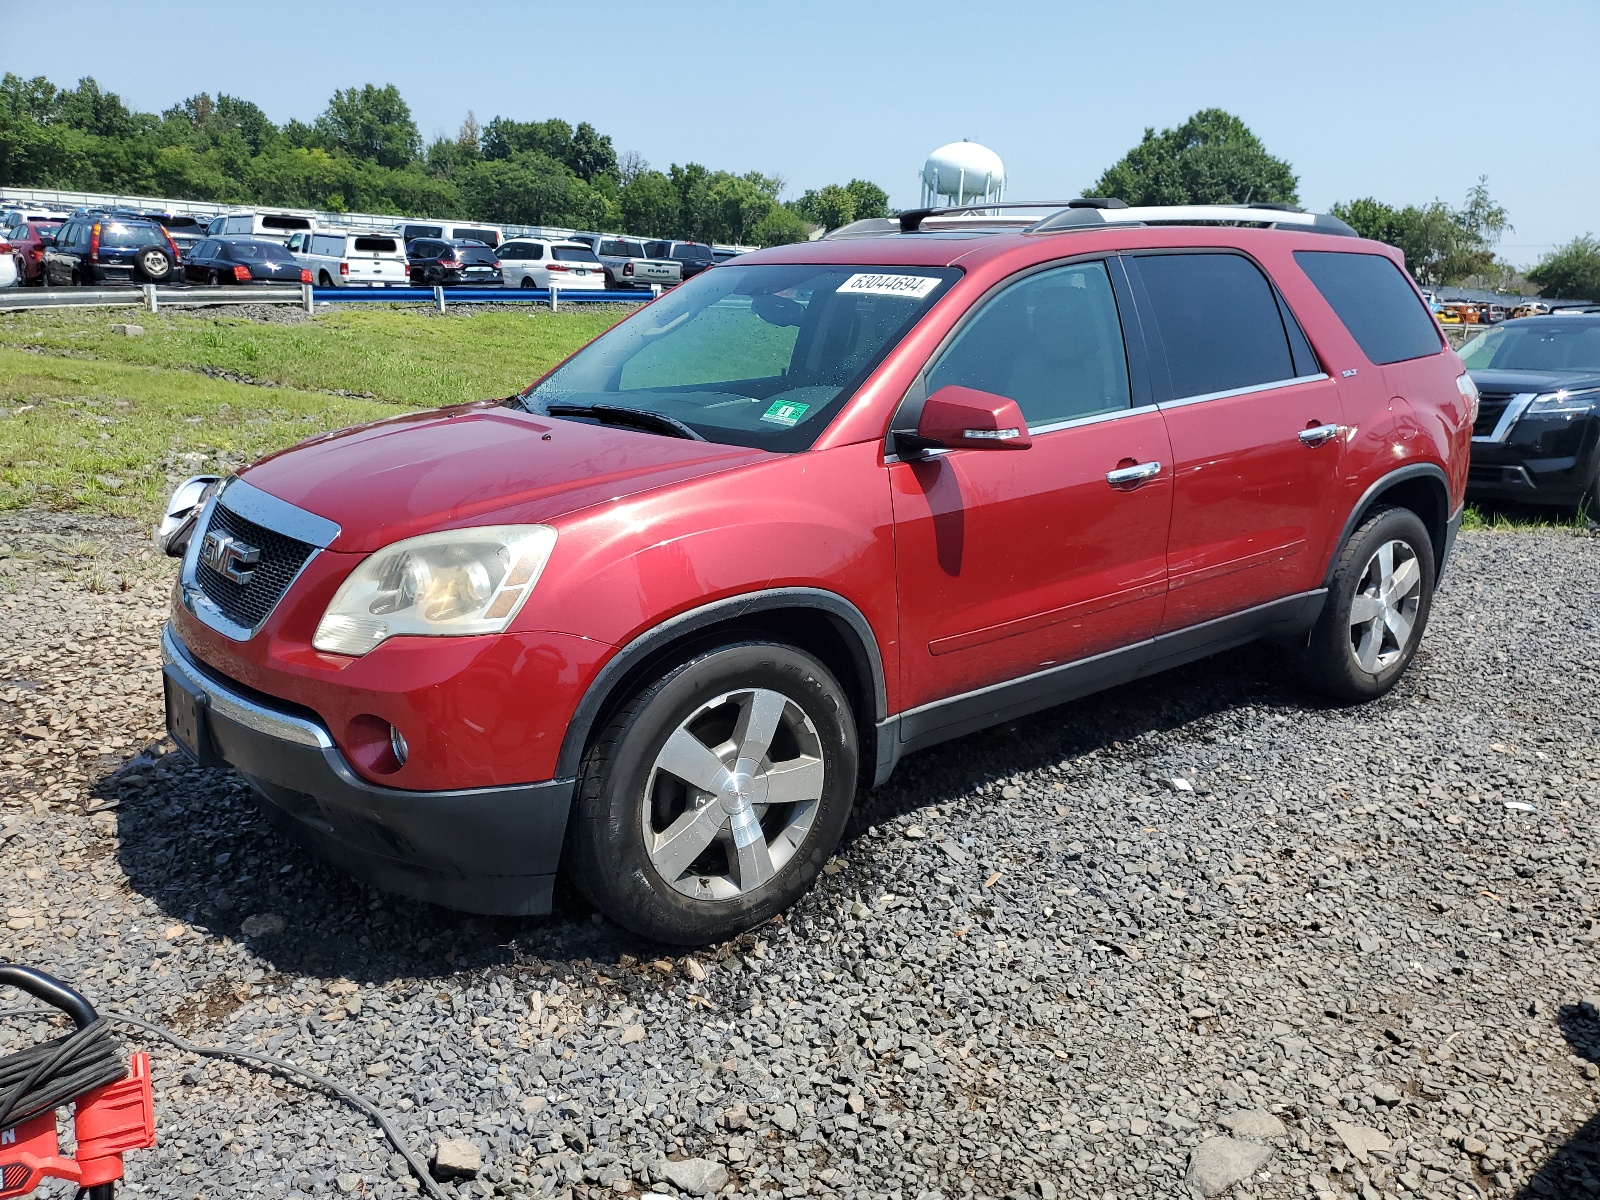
<point>848,621</point>
<point>1422,470</point>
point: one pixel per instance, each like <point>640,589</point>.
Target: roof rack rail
<point>911,220</point>
<point>1282,216</point>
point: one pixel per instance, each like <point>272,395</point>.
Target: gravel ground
<point>1202,931</point>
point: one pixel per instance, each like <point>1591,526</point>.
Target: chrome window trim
<point>1244,391</point>
<point>1515,407</point>
<point>1091,419</point>
<point>265,510</point>
<point>236,708</point>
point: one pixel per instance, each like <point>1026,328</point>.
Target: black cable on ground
<point>239,1054</point>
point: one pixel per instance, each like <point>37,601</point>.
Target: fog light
<point>397,743</point>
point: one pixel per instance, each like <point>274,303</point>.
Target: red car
<point>27,247</point>
<point>656,618</point>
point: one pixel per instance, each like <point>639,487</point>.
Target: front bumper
<point>483,850</point>
<point>1537,460</point>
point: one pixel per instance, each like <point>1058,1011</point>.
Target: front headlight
<point>452,584</point>
<point>1564,403</point>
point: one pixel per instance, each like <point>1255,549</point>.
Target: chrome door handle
<point>1319,434</point>
<point>1126,476</point>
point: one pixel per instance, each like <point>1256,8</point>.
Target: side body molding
<point>853,627</point>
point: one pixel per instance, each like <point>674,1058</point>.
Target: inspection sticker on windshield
<point>785,412</point>
<point>914,286</point>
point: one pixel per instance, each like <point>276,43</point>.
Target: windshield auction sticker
<point>785,412</point>
<point>913,286</point>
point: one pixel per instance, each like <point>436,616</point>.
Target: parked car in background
<point>447,231</point>
<point>342,257</point>
<point>1530,308</point>
<point>275,225</point>
<point>722,254</point>
<point>626,263</point>
<point>28,241</point>
<point>811,512</point>
<point>1537,436</point>
<point>243,260</point>
<point>10,267</point>
<point>91,249</point>
<point>691,257</point>
<point>434,262</point>
<point>25,215</point>
<point>535,263</point>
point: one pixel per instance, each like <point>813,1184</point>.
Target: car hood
<point>1533,381</point>
<point>476,464</point>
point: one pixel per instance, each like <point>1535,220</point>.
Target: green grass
<point>1510,517</point>
<point>403,356</point>
<point>105,423</point>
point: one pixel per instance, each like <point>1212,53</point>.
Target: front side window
<point>1376,303</point>
<point>1218,320</point>
<point>1052,342</point>
<point>759,356</point>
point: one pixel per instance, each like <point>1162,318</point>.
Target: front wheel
<point>1377,607</point>
<point>710,801</point>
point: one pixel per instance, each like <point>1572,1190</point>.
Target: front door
<point>1012,562</point>
<point>1256,431</point>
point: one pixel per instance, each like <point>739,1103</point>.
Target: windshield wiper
<point>617,414</point>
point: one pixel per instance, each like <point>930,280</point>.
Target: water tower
<point>962,173</point>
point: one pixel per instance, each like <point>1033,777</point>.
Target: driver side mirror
<point>963,418</point>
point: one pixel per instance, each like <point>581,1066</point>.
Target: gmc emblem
<point>227,555</point>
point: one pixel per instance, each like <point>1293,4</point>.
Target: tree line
<point>365,154</point>
<point>1213,158</point>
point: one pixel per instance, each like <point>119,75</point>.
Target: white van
<point>345,257</point>
<point>277,226</point>
<point>451,231</point>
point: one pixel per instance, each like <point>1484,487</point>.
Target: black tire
<point>324,279</point>
<point>1333,653</point>
<point>607,855</point>
<point>153,264</point>
<point>214,279</point>
<point>526,282</point>
<point>77,278</point>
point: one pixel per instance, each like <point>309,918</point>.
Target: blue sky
<point>1401,100</point>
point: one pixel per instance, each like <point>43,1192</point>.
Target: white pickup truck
<point>345,258</point>
<point>626,263</point>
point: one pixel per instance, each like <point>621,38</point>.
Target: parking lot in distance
<point>1054,960</point>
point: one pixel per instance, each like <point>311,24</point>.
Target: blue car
<point>92,248</point>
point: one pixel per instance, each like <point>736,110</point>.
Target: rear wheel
<point>711,800</point>
<point>1377,607</point>
<point>526,282</point>
<point>324,279</point>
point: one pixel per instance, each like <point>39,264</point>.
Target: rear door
<point>1012,562</point>
<point>1256,431</point>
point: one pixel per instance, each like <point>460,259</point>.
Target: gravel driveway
<point>1199,931</point>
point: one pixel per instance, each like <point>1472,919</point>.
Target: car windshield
<point>1548,344</point>
<point>760,355</point>
<point>574,254</point>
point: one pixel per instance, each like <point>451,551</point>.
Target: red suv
<point>657,617</point>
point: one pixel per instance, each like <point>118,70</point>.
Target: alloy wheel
<point>732,794</point>
<point>1383,612</point>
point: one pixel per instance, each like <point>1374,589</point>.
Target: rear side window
<point>1219,322</point>
<point>1376,303</point>
<point>487,236</point>
<point>376,245</point>
<point>1051,342</point>
<point>285,223</point>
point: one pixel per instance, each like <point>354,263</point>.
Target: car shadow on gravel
<point>1573,1169</point>
<point>193,841</point>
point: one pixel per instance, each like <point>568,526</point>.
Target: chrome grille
<point>1491,406</point>
<point>251,602</point>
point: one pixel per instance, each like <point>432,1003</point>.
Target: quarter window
<point>1219,322</point>
<point>1051,342</point>
<point>1376,303</point>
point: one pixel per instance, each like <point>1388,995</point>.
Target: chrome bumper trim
<point>239,709</point>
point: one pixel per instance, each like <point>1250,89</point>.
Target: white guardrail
<point>153,298</point>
